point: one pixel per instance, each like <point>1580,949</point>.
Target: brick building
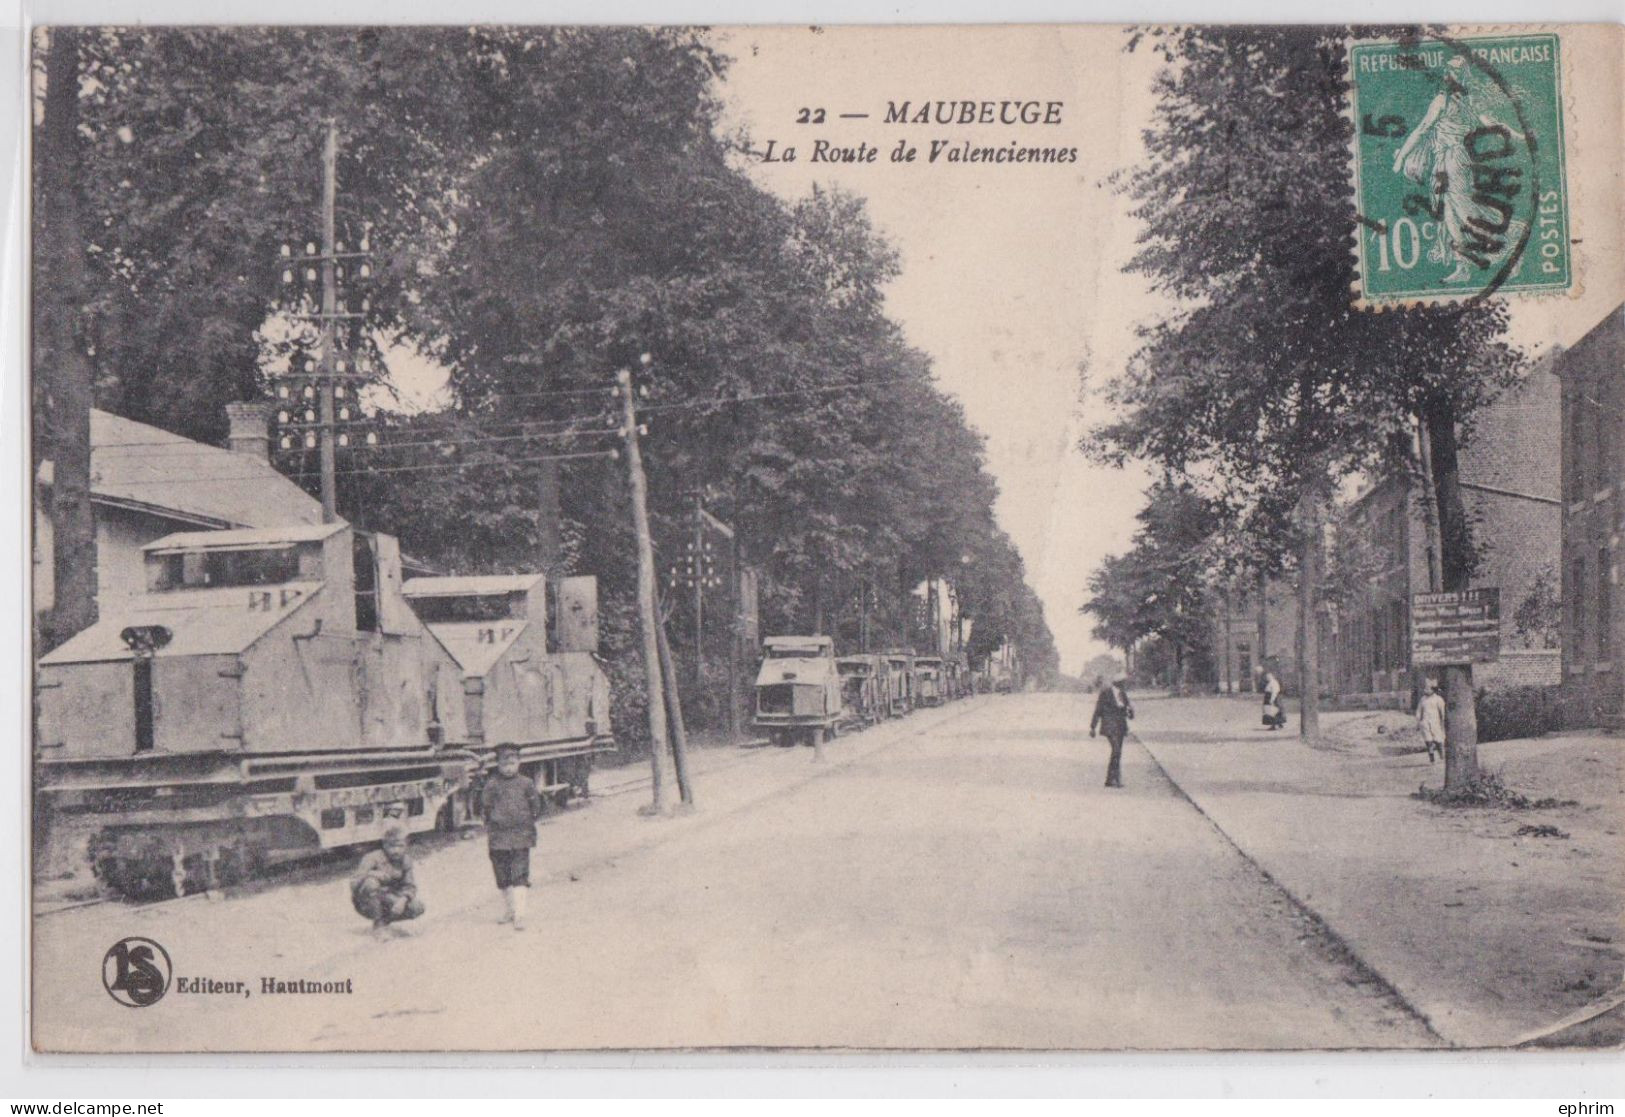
<point>1510,482</point>
<point>1593,514</point>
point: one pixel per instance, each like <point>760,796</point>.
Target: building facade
<point>1592,403</point>
<point>1510,482</point>
<point>1256,625</point>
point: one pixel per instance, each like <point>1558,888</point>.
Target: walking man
<point>1112,713</point>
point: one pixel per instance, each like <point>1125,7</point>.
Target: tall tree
<point>61,360</point>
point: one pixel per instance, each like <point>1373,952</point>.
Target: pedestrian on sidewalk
<point>383,888</point>
<point>1113,710</point>
<point>1270,684</point>
<point>1430,716</point>
<point>510,805</point>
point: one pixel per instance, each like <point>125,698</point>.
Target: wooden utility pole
<point>674,714</point>
<point>660,762</point>
<point>735,638</point>
<point>699,571</point>
<point>325,447</point>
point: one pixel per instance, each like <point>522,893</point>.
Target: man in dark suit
<point>1112,713</point>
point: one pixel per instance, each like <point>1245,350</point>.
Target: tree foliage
<point>1265,380</point>
<point>1161,586</point>
<point>547,205</point>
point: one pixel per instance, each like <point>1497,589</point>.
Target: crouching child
<point>383,888</point>
<point>510,804</point>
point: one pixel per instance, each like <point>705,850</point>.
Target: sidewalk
<point>1493,936</point>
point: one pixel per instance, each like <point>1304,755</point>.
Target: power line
<point>719,401</point>
<point>167,482</point>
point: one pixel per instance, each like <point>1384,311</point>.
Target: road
<point>958,879</point>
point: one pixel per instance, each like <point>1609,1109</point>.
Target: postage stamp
<point>1459,173</point>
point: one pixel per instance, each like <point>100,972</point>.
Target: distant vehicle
<point>798,690</point>
<point>863,688</point>
<point>900,666</point>
<point>929,681</point>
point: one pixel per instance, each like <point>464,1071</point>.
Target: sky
<point>1012,274</point>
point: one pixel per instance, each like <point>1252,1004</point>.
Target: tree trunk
<point>1456,569</point>
<point>61,366</point>
<point>1308,637</point>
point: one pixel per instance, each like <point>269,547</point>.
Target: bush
<point>1509,713</point>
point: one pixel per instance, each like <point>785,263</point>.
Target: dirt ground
<point>957,879</point>
<point>1493,922</point>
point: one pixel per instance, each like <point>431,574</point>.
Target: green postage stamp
<point>1459,168</point>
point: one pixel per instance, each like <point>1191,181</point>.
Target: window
<point>1400,635</point>
<point>1577,608</point>
<point>1579,487</point>
<point>464,607</point>
<point>268,566</point>
<point>1603,438</point>
<point>1605,607</point>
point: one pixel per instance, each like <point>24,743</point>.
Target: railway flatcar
<point>501,667</point>
<point>269,694</point>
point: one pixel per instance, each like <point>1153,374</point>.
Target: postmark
<point>1459,169</point>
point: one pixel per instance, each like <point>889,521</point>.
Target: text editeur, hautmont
<point>300,985</point>
<point>973,112</point>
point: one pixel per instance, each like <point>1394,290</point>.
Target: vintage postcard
<point>978,538</point>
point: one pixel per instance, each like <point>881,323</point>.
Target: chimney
<point>249,429</point>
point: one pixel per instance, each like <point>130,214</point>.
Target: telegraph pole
<point>660,761</point>
<point>329,466</point>
<point>312,418</point>
<point>699,572</point>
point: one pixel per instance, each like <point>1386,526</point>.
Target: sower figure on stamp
<point>1112,713</point>
<point>1438,154</point>
<point>510,804</point>
<point>383,888</point>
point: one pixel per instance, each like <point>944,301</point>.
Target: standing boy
<point>511,805</point>
<point>383,888</point>
<point>1430,716</point>
<point>1112,713</point>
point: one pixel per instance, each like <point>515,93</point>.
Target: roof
<point>465,643</point>
<point>146,469</point>
<point>241,539</point>
<point>203,621</point>
<point>471,585</point>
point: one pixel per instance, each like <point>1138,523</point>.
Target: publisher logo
<point>136,972</point>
